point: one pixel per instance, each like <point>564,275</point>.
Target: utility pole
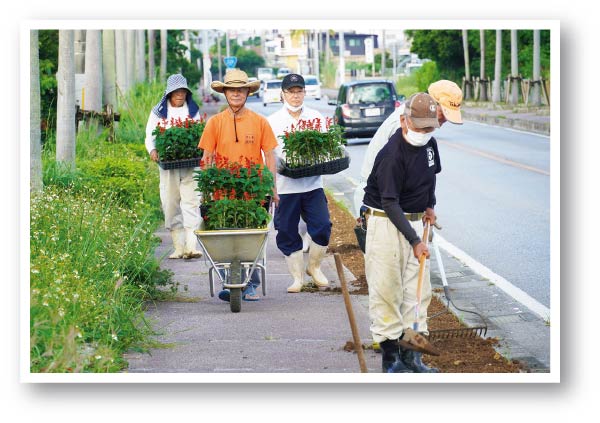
<point>342,63</point>
<point>382,53</point>
<point>206,62</point>
<point>219,56</point>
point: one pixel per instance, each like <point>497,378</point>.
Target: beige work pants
<point>392,273</point>
<point>179,198</point>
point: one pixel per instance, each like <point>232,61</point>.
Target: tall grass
<point>92,249</point>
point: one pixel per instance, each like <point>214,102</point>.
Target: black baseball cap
<point>292,80</point>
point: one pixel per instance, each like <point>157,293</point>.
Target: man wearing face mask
<point>400,193</point>
<point>449,97</point>
<point>299,197</point>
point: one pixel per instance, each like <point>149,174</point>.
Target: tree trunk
<point>514,67</point>
<point>536,91</point>
<point>140,56</point>
<point>79,41</point>
<point>93,70</point>
<point>496,95</point>
<point>109,92</point>
<point>151,61</point>
<point>467,65</point>
<point>130,59</point>
<point>483,94</point>
<point>36,183</point>
<point>121,62</point>
<point>163,54</point>
<point>65,107</point>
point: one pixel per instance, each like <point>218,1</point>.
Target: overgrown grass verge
<point>92,245</point>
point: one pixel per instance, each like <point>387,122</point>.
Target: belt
<point>414,217</point>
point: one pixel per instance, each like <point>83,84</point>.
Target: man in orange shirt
<point>239,134</point>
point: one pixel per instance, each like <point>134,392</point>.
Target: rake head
<point>474,332</point>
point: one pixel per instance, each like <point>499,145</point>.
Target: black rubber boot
<point>413,361</point>
<point>391,362</point>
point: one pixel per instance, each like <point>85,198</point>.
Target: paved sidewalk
<point>306,332</point>
<point>291,333</point>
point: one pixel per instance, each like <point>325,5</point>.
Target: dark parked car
<point>362,106</point>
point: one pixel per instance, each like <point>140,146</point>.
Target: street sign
<point>230,61</point>
<point>369,50</point>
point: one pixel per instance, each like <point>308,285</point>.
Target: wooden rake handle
<point>357,343</point>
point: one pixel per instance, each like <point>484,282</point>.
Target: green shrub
<point>425,75</point>
<point>407,85</point>
<point>92,265</point>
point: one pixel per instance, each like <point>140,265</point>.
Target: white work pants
<point>392,274</point>
<point>179,198</point>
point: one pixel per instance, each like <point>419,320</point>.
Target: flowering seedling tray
<point>180,164</point>
<point>325,168</point>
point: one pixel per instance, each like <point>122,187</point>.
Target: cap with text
<point>449,96</point>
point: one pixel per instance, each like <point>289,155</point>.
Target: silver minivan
<point>271,91</point>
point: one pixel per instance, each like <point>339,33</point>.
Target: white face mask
<point>292,108</point>
<point>417,139</point>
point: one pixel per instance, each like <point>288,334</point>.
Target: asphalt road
<point>493,197</point>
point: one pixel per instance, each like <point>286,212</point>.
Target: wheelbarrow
<point>234,255</point>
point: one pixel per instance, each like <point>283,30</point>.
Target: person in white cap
<point>448,96</point>
<point>399,195</point>
<point>301,196</point>
<point>179,199</point>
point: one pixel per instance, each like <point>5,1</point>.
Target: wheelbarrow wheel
<point>235,299</point>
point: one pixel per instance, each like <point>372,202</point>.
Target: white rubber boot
<point>295,262</point>
<point>316,254</point>
<point>176,236</point>
<point>191,241</point>
<point>306,242</point>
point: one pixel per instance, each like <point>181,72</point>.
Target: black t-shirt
<point>405,174</point>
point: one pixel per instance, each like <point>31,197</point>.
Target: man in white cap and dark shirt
<point>448,96</point>
<point>179,198</point>
<point>299,197</point>
<point>399,195</point>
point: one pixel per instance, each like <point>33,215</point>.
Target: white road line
<point>518,294</point>
<point>495,157</point>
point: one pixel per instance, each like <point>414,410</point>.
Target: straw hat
<point>235,79</point>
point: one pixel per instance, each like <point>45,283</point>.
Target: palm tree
<point>130,59</point>
<point>140,56</point>
<point>483,94</point>
<point>65,106</point>
<point>467,65</point>
<point>93,70</point>
<point>109,92</point>
<point>535,93</point>
<point>36,183</point>
<point>163,54</point>
<point>514,67</point>
<point>496,97</point>
<point>151,61</point>
<point>121,63</point>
